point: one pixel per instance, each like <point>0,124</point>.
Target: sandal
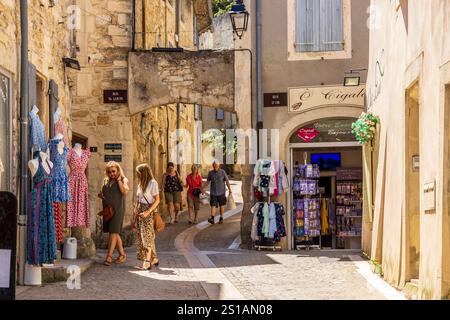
<point>155,262</point>
<point>108,261</point>
<point>121,259</point>
<point>144,268</point>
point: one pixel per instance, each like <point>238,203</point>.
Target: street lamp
<point>353,78</point>
<point>239,18</point>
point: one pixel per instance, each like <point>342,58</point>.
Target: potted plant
<point>364,128</point>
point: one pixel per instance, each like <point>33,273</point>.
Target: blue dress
<point>37,133</point>
<point>60,180</point>
<point>41,246</point>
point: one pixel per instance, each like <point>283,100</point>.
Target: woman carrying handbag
<point>144,213</point>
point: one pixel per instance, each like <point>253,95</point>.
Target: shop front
<point>324,160</point>
<point>326,195</point>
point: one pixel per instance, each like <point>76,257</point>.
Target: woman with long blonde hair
<point>115,188</point>
<point>144,210</point>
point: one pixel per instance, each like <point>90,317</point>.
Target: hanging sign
<point>307,134</point>
<point>305,98</point>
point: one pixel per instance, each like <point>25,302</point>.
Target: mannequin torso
<point>61,144</point>
<point>78,149</point>
<point>33,165</point>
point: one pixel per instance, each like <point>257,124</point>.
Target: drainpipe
<point>24,183</point>
<point>259,93</point>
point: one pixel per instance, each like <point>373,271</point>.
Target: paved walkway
<point>197,263</point>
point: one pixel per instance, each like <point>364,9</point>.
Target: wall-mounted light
<point>239,18</point>
<point>72,63</point>
<point>353,78</point>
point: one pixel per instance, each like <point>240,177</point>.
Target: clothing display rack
<point>270,179</point>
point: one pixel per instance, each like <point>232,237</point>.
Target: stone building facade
<point>409,89</point>
<point>104,43</point>
<point>49,33</point>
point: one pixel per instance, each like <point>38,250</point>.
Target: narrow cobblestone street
<point>224,271</point>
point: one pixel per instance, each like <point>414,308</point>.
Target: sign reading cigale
<point>304,98</point>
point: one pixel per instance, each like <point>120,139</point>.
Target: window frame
<point>294,55</point>
<point>9,138</point>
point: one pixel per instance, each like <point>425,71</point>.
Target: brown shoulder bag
<point>158,223</point>
<point>107,213</point>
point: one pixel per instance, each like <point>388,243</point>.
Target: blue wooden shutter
<point>307,31</point>
<point>331,25</point>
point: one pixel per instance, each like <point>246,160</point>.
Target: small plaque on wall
<point>93,149</point>
<point>113,146</point>
<point>115,96</point>
<point>113,157</point>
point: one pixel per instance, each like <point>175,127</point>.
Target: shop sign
<point>275,99</point>
<point>113,146</point>
<point>307,134</point>
<point>305,98</point>
<point>113,157</point>
<point>115,96</point>
<point>325,130</point>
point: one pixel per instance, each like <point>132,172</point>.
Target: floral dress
<point>78,206</point>
<point>37,133</point>
<point>60,184</point>
<point>41,244</point>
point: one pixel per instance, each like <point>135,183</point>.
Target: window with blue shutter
<point>319,25</point>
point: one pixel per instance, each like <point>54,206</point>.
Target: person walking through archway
<point>217,178</point>
<point>173,186</point>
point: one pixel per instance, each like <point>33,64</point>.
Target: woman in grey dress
<point>115,188</point>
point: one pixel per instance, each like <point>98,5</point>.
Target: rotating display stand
<point>306,204</point>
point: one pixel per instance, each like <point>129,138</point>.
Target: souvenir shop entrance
<point>326,200</point>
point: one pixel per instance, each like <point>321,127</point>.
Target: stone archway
<point>205,78</point>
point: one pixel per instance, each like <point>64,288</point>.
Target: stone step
<point>62,270</point>
<point>415,282</point>
<point>411,290</point>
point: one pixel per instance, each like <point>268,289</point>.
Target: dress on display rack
<point>60,184</point>
<point>41,246</point>
<point>270,178</point>
<point>61,128</point>
<point>77,207</point>
<point>37,132</point>
<point>268,222</point>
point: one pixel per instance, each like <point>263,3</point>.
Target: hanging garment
<point>37,133</point>
<point>272,221</point>
<point>280,226</point>
<point>254,232</point>
<point>324,217</point>
<point>57,210</point>
<point>60,181</point>
<point>41,246</point>
<point>61,128</point>
<point>77,207</point>
<point>266,220</point>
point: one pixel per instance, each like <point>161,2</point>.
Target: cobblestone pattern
<point>172,281</point>
<point>295,275</point>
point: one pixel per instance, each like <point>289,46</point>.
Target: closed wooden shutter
<point>319,25</point>
<point>307,25</point>
<point>53,101</point>
<point>331,25</point>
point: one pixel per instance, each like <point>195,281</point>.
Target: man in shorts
<point>217,178</point>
